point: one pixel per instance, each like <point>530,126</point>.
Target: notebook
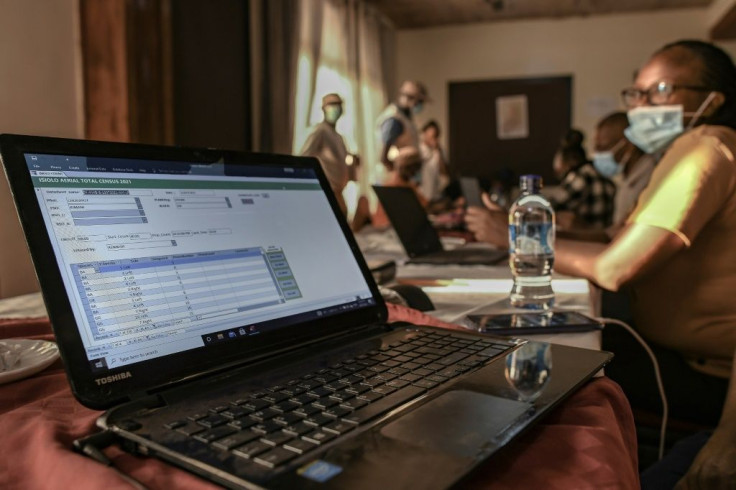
<point>419,238</point>
<point>217,306</point>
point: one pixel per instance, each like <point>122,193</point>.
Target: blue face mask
<point>653,128</point>
<point>605,163</point>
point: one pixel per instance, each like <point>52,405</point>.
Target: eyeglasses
<point>657,94</point>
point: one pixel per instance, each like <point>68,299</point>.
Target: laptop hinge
<point>143,400</point>
<point>165,392</point>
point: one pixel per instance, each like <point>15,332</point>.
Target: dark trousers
<point>665,474</point>
<point>692,396</point>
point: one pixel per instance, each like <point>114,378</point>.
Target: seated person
<point>585,198</point>
<point>675,252</point>
<point>618,159</point>
<point>407,163</point>
<point>629,168</point>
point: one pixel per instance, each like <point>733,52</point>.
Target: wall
<point>717,10</point>
<point>40,93</point>
<point>601,52</point>
<point>40,67</point>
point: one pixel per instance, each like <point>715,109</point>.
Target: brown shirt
<point>325,143</point>
<point>629,187</point>
<point>689,303</point>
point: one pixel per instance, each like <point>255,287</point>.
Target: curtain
<point>345,47</point>
<point>276,41</point>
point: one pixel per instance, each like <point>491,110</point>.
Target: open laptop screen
<point>161,257</point>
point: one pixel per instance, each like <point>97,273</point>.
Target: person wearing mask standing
<point>396,125</point>
<point>435,175</point>
<point>328,146</point>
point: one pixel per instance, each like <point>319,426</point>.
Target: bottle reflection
<point>528,369</point>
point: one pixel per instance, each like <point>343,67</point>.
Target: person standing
<point>434,173</point>
<point>396,125</point>
<point>328,146</point>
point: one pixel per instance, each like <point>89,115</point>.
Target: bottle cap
<point>530,183</point>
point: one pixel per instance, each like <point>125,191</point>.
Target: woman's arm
<point>634,252</point>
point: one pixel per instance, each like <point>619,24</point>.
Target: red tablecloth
<point>587,442</point>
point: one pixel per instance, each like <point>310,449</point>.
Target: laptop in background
<point>420,239</point>
<point>217,305</point>
<point>472,192</point>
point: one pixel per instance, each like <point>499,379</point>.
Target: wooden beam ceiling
<point>413,14</point>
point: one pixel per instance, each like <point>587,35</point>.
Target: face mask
<point>332,113</point>
<point>605,163</point>
<point>417,108</point>
<point>652,128</point>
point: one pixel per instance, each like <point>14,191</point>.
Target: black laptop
<point>419,238</point>
<point>217,305</point>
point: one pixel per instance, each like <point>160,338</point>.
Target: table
<point>457,291</point>
<point>589,441</point>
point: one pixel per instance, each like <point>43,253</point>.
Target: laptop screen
<point>161,257</point>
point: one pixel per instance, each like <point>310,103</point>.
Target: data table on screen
<point>130,297</point>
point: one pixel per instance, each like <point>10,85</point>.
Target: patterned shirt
<point>588,195</point>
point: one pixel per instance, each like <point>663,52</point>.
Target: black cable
<point>92,446</point>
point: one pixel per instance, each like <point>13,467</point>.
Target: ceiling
<point>414,14</point>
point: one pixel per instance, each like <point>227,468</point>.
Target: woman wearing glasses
<point>677,252</point>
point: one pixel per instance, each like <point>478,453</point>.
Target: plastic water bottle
<point>531,246</point>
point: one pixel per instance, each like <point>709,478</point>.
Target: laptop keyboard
<point>283,422</point>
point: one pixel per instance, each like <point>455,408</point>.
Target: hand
<point>492,206</point>
<point>489,225</point>
<point>714,467</point>
<point>565,220</point>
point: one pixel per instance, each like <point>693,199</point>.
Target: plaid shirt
<point>588,195</point>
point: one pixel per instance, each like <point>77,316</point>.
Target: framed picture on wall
<point>500,129</point>
<point>512,117</point>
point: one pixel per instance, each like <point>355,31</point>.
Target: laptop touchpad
<point>459,422</point>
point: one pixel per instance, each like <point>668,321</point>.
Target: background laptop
<point>216,303</point>
<point>420,239</point>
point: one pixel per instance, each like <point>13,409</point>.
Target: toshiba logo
<point>113,378</point>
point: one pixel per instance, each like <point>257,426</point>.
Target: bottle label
<point>532,239</point>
